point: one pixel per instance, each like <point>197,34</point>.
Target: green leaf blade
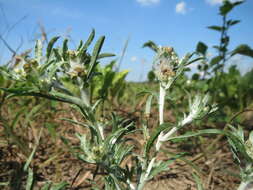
<point>50,46</point>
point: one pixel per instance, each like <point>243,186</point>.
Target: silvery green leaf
<point>198,109</point>
<point>65,50</point>
<point>185,59</point>
<point>240,133</point>
<point>46,186</point>
<point>85,145</point>
<point>29,160</point>
<point>198,182</point>
<point>249,145</point>
<point>105,55</point>
<point>161,166</point>
<point>59,186</point>
<point>89,40</point>
<point>93,129</point>
<point>45,67</point>
<point>94,57</point>
<point>158,168</point>
<point>80,45</point>
<point>242,151</point>
<point>117,172</point>
<point>96,104</point>
<point>251,137</point>
<point>148,105</point>
<point>54,69</point>
<point>121,151</point>
<point>29,182</point>
<point>50,46</point>
<point>57,54</point>
<point>115,136</point>
<point>145,131</point>
<point>151,45</point>
<point>38,51</point>
<point>197,133</point>
<point>153,138</point>
<point>234,150</point>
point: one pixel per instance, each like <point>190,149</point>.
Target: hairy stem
<point>161,104</point>
<point>245,185</point>
<point>145,174</point>
<point>161,113</point>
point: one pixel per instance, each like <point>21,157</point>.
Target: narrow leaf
<point>200,132</point>
<point>151,45</point>
<point>232,22</point>
<point>94,57</point>
<point>148,105</point>
<point>59,186</point>
<point>38,51</point>
<point>50,46</point>
<point>90,39</point>
<point>104,55</point>
<point>217,28</point>
<point>152,139</point>
<point>65,49</point>
<point>198,182</point>
<point>29,182</point>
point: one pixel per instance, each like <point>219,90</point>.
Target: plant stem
<point>85,96</point>
<point>245,185</point>
<point>132,187</point>
<point>161,112</point>
<point>145,174</point>
<point>223,44</point>
<point>161,103</point>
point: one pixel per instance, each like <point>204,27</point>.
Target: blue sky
<point>177,23</point>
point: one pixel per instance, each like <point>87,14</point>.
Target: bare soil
<point>53,162</point>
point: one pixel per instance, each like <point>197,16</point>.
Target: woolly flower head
<point>76,67</point>
<point>165,64</point>
<point>24,66</point>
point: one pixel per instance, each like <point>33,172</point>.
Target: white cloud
<point>133,59</point>
<point>181,7</point>
<point>148,2</point>
<point>218,2</point>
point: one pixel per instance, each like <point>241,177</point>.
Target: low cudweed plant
<point>50,77</point>
<point>243,154</point>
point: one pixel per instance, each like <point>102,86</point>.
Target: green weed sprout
<point>67,75</point>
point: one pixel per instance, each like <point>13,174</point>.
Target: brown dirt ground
<point>213,168</point>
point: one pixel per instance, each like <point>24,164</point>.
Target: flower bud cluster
<point>97,152</point>
<point>198,108</point>
<point>165,64</point>
<point>23,67</point>
<point>76,68</point>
